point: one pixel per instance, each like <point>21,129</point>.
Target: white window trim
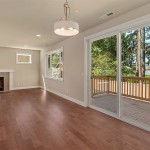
<point>24,55</point>
<point>46,56</point>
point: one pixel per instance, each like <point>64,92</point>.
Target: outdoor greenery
<point>55,64</point>
<point>135,54</point>
<point>104,56</point>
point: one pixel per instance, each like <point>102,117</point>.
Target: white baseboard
<point>67,97</point>
<point>26,87</point>
<point>134,123</point>
<point>41,87</point>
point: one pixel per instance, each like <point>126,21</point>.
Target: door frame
<point>116,30</point>
<point>88,84</point>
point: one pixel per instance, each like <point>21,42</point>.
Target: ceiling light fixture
<point>65,26</point>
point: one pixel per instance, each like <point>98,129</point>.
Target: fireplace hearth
<point>1,83</point>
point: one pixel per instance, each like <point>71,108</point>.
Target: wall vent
<point>110,14</point>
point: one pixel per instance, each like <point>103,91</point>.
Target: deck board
<point>133,109</point>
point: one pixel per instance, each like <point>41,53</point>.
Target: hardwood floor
<point>38,120</point>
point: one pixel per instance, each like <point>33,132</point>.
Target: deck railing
<point>135,87</point>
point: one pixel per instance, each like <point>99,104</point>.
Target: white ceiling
<point>22,20</point>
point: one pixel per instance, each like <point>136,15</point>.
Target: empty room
<point>74,75</point>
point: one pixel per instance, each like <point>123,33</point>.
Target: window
<point>23,58</point>
<point>54,64</point>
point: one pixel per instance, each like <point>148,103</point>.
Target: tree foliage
<point>103,56</point>
<point>135,53</point>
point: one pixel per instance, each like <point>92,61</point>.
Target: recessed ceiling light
<point>38,35</point>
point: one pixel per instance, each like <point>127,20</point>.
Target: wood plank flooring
<point>38,120</point>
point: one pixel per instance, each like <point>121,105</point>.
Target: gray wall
<point>25,75</point>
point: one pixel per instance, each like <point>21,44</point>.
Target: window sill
<point>23,63</point>
<point>57,79</point>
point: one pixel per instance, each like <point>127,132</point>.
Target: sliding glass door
<point>104,74</point>
<point>136,76</point>
<point>120,75</point>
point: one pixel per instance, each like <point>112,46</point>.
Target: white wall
<point>25,75</point>
<point>74,56</point>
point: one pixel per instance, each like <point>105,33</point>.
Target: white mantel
<point>10,71</point>
<point>6,70</point>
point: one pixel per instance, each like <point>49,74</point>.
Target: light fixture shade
<point>66,28</point>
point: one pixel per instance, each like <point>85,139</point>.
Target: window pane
<point>49,64</point>
<point>23,58</point>
<point>104,71</point>
<point>56,65</point>
<point>104,56</point>
<point>55,57</point>
<point>54,71</point>
<point>136,76</point>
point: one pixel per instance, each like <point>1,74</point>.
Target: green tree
<point>135,53</point>
<point>104,56</point>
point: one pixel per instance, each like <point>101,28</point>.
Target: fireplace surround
<point>10,78</point>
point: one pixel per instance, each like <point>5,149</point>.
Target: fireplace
<point>1,83</point>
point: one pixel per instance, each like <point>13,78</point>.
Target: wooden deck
<point>134,87</point>
<point>38,120</point>
<point>133,109</point>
